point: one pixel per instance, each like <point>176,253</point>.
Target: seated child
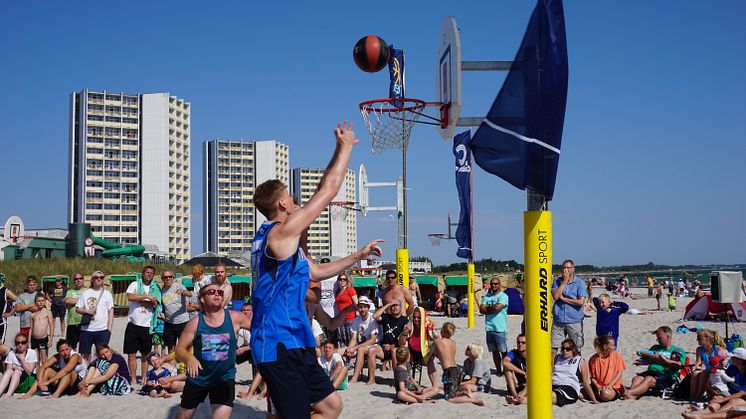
<point>477,375</point>
<point>333,365</point>
<point>407,390</point>
<point>152,387</point>
<point>445,350</point>
<point>719,380</point>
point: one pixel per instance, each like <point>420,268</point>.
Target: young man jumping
<point>282,343</point>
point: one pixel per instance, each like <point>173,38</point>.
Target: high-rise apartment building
<point>233,169</point>
<point>129,168</point>
<point>330,235</point>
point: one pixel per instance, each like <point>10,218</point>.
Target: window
<point>93,206</point>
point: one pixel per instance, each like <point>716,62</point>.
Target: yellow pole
<point>470,293</point>
<point>537,228</point>
<point>402,267</point>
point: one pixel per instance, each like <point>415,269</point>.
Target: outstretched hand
<point>344,134</point>
<point>372,248</point>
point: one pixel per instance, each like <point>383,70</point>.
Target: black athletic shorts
<point>223,394</point>
<point>172,332</point>
<point>59,311</point>
<point>39,343</point>
<point>296,381</point>
<point>565,395</point>
<point>662,381</point>
<point>73,335</point>
<point>137,339</point>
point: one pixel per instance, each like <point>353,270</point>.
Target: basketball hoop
<point>339,210</point>
<point>436,238</point>
<point>22,241</point>
<point>390,121</point>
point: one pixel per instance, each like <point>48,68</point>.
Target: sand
<point>375,401</point>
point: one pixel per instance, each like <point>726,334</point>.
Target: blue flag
<point>520,138</point>
<point>463,184</point>
<point>396,75</point>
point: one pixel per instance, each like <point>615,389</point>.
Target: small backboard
<point>448,77</point>
<point>14,229</point>
<point>362,189</point>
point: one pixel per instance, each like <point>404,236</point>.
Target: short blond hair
<point>476,349</point>
<point>402,354</point>
<point>266,196</point>
<point>448,329</point>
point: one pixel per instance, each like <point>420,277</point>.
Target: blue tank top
<point>215,349</point>
<point>279,292</point>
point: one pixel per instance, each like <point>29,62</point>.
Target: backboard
<point>448,76</point>
<point>14,229</point>
<point>362,189</point>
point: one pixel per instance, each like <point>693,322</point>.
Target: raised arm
<point>379,312</point>
<point>286,236</point>
<point>321,271</point>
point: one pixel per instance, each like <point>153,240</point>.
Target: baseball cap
<point>739,353</point>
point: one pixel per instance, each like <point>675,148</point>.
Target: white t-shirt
<point>31,356</point>
<point>364,329</point>
<point>138,314</point>
<point>243,337</point>
<point>328,296</point>
<point>80,369</point>
<point>316,329</point>
<point>329,366</point>
<point>88,300</point>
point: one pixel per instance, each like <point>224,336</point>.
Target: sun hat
<point>364,300</point>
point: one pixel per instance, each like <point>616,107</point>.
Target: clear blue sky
<point>653,156</point>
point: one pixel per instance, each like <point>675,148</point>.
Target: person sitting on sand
<point>606,368</point>
<point>719,380</point>
<point>407,390</point>
<point>20,367</point>
<point>514,367</point>
<point>664,361</point>
<point>445,350</point>
<point>721,406</point>
<point>710,345</point>
<point>157,371</point>
<point>108,374</point>
<point>392,322</point>
<point>566,381</point>
<point>477,377</point>
<point>333,365</point>
<point>61,373</point>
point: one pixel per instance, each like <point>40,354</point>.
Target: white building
<point>233,170</point>
<point>335,232</point>
<point>129,168</point>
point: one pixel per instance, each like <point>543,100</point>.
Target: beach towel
<point>155,291</point>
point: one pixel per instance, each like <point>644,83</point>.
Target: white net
<point>435,239</point>
<point>338,212</point>
<point>389,125</point>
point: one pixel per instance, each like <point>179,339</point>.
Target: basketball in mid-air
<point>371,53</point>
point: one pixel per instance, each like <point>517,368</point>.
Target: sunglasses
<point>214,291</point>
<point>98,277</point>
<point>21,342</point>
<point>167,276</point>
<point>343,279</point>
<point>567,349</point>
<point>390,277</point>
<point>80,278</point>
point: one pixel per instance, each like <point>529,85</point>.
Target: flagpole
<point>470,267</point>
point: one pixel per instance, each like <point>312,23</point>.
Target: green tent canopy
<point>456,281</point>
<point>364,282</point>
<point>427,280</point>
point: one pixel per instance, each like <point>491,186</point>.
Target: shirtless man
<point>394,291</point>
<point>445,350</point>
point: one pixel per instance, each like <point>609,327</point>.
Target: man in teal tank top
<point>282,343</point>
<point>211,369</point>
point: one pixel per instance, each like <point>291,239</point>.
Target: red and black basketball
<point>371,53</point>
